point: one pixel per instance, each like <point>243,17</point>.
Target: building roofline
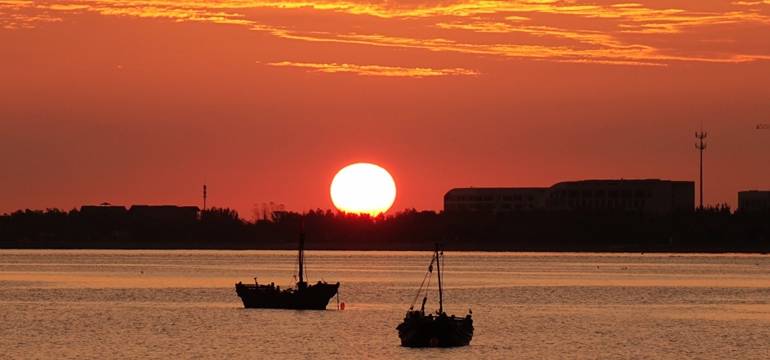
<point>585,181</point>
<point>495,189</point>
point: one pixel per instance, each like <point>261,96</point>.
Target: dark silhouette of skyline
<point>713,229</point>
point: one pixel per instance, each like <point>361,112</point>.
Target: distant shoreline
<point>462,249</point>
<point>167,228</point>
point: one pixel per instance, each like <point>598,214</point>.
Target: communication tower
<point>701,146</point>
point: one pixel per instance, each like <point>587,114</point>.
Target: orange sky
<point>144,101</point>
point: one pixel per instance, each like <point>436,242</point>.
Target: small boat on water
<point>434,330</point>
<point>303,296</point>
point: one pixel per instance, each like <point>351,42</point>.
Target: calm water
<point>181,304</point>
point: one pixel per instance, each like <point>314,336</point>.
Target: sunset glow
<point>584,164</point>
<point>363,188</point>
<point>142,101</point>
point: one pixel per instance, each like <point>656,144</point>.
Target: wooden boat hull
<point>419,330</point>
<point>312,297</point>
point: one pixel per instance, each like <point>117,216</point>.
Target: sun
<point>363,188</point>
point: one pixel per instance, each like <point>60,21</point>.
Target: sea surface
<point>181,304</point>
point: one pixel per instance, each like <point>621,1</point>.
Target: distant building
<point>646,196</point>
<point>103,211</point>
<point>651,196</point>
<point>494,199</point>
<point>754,201</point>
<point>165,213</point>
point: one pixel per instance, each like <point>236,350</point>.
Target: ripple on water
<point>180,304</point>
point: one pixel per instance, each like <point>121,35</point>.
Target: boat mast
<point>301,255</point>
<point>440,290</point>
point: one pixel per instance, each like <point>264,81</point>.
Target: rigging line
<point>419,290</point>
<point>294,275</point>
<point>426,277</point>
<point>430,278</point>
<point>443,267</point>
<point>427,288</point>
<point>430,270</point>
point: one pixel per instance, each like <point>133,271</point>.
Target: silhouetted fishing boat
<point>434,330</point>
<point>300,297</point>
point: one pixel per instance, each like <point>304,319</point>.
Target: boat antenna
<point>440,289</point>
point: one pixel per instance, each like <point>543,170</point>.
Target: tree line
<point>714,229</point>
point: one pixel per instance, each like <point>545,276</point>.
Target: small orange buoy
<point>342,306</point>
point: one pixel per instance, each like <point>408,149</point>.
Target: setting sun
<point>363,188</point>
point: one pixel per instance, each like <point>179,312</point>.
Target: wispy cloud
<point>620,33</point>
<point>376,70</point>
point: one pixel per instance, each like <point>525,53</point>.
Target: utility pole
<point>701,145</point>
<point>204,197</point>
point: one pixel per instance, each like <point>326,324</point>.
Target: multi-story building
<point>651,196</point>
<point>754,201</point>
